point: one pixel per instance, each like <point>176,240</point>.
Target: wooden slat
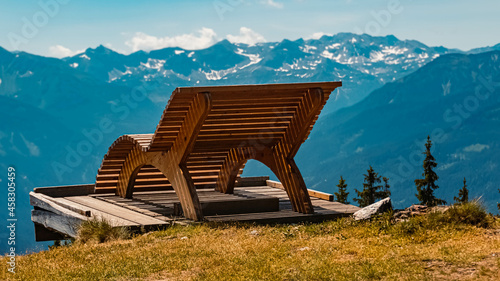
<point>60,191</point>
<point>44,202</point>
<point>97,214</point>
<point>115,210</point>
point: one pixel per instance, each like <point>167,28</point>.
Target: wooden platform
<point>58,210</point>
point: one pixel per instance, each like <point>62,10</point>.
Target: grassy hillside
<point>422,248</point>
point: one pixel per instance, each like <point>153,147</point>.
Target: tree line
<point>374,190</point>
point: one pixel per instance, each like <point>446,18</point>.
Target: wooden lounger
<point>206,135</point>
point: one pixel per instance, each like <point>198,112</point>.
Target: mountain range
<point>362,62</point>
<point>454,99</point>
<point>395,93</point>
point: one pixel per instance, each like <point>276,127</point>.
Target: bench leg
<point>288,173</point>
<point>283,167</point>
<point>178,175</point>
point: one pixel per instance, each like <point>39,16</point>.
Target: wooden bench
<point>207,134</point>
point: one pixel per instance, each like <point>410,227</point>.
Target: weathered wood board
<point>152,210</point>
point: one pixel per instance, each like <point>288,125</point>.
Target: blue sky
<point>64,27</point>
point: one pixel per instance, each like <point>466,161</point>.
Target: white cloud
<point>273,4</point>
<point>59,51</point>
<point>318,35</point>
<point>206,37</point>
<point>476,147</point>
<point>246,36</point>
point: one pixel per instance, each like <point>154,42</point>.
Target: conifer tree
<point>463,194</point>
<point>386,192</point>
<point>342,194</point>
<point>498,204</point>
<point>371,191</point>
<point>427,185</point>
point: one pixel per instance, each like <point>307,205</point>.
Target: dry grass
<point>99,230</point>
<point>337,250</point>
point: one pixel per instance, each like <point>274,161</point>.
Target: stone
<point>373,209</point>
<point>417,208</point>
<point>440,208</point>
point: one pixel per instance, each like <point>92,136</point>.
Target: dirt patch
<point>486,269</point>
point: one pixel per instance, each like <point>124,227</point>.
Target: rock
<point>375,208</point>
<point>440,208</point>
<point>417,208</point>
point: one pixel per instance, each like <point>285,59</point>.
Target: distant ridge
<point>455,99</point>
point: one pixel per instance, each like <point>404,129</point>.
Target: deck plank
<point>118,211</point>
<point>112,219</point>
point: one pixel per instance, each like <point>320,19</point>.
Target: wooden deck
<point>58,210</point>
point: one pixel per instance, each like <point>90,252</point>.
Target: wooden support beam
<point>236,158</point>
<point>70,190</point>
<point>44,234</point>
<point>172,163</point>
<point>62,224</point>
<point>312,193</point>
<point>283,152</point>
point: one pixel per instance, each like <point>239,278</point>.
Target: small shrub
<point>408,227</point>
<point>100,231</point>
<point>472,213</point>
<point>383,222</point>
<point>63,243</point>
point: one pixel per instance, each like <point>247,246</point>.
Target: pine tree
<point>498,204</point>
<point>342,194</point>
<point>463,194</point>
<point>370,191</point>
<point>427,185</point>
<point>386,192</point>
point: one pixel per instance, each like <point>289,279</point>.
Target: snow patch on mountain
<point>33,149</point>
<point>376,56</point>
<point>26,74</point>
<point>154,64</point>
<point>254,58</point>
<point>333,46</point>
<point>394,50</point>
<point>117,74</point>
<point>308,49</point>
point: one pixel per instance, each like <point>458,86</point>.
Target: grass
<point>473,213</point>
<point>430,247</point>
<point>100,231</point>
